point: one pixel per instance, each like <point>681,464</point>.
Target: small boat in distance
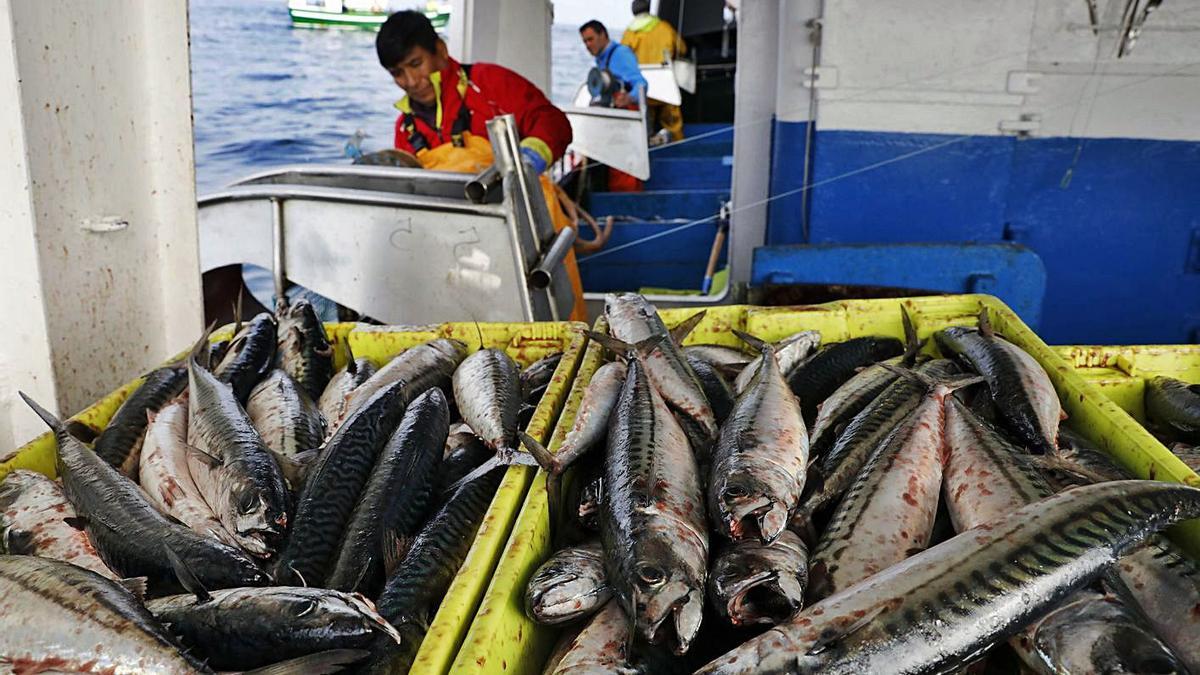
<point>360,14</point>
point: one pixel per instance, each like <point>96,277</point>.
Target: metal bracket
<point>1023,126</point>
<point>104,224</point>
<point>820,77</point>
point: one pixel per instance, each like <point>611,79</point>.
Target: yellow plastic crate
<point>1121,371</point>
<point>525,342</point>
<point>503,639</point>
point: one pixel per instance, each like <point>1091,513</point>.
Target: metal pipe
<point>278,271</point>
<point>478,189</point>
<point>543,274</point>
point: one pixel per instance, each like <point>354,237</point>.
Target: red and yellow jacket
<point>469,96</point>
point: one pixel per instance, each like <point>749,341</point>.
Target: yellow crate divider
<point>525,342</point>
<point>1121,371</point>
<point>503,639</point>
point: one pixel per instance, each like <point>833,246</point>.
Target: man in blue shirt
<point>617,59</point>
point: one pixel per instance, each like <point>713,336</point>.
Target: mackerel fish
<point>36,519</point>
<point>426,365</point>
<point>288,422</point>
<point>414,589</point>
<point>1174,406</point>
<point>789,353</point>
<point>120,443</point>
<point>728,360</point>
<point>652,521</point>
<point>334,399</point>
<point>248,493</point>
<point>487,389</point>
<point>335,482</point>
<point>569,586</point>
<point>716,388</point>
<point>760,460</point>
<point>632,320</point>
<point>55,616</point>
<point>987,478</point>
<point>602,647</point>
<point>837,470</point>
<point>303,347</point>
<point>941,608</point>
<point>888,513</point>
<point>396,498</point>
<point>755,583</point>
<point>1020,387</point>
<point>591,421</point>
<point>166,477</point>
<point>244,628</point>
<point>250,357</point>
<point>821,374</point>
<point>1094,633</point>
<point>133,538</point>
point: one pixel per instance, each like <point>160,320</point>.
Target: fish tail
<point>625,349</point>
<point>756,343</point>
<point>912,344</point>
<point>48,417</point>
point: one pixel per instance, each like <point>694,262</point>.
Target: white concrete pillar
<point>99,267</point>
<point>512,33</point>
<point>754,110</point>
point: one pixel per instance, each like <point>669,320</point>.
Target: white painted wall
<point>95,122</point>
<point>512,33</point>
<point>980,66</point>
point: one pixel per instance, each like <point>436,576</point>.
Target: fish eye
<point>247,501</point>
<point>1156,664</point>
<point>735,492</point>
<point>651,575</point>
<point>308,607</point>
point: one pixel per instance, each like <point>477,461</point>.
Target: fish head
<point>749,590</point>
<point>747,507</point>
<point>450,348</point>
<point>258,520</point>
<point>1100,634</point>
<point>666,602</point>
<point>558,594</point>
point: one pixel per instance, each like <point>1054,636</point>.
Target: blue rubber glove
<point>534,160</point>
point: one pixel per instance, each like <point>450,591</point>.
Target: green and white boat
<point>360,14</point>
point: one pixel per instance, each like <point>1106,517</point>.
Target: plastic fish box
<point>525,342</point>
<point>503,639</point>
<point>1121,371</point>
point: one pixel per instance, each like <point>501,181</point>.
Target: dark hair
<point>640,6</point>
<point>400,33</point>
<point>596,27</point>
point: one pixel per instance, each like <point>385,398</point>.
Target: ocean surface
<point>266,94</point>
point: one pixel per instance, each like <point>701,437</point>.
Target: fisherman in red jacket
<point>444,114</point>
<point>448,103</point>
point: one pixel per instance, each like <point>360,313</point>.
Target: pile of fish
<point>1173,414</point>
<point>249,508</point>
<point>856,507</point>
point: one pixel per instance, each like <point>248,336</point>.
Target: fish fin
<point>985,324</point>
<point>186,579</point>
<point>208,460</point>
<point>831,637</point>
<point>481,470</point>
<point>544,457</point>
<point>395,549</point>
<point>237,312</point>
<point>200,351</point>
<point>912,344</point>
<point>320,663</point>
<point>47,416</point>
<point>136,586</point>
<point>641,349</point>
<point>914,550</point>
<point>754,342</point>
<point>297,333</point>
<point>952,383</point>
<point>77,522</point>
<point>684,328</point>
<point>295,467</point>
<point>351,364</point>
<point>18,542</point>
